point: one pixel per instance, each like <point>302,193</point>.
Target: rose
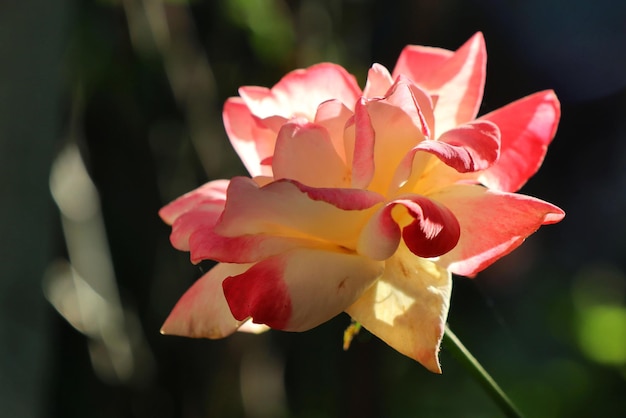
<point>363,202</point>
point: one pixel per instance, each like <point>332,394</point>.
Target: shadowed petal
<point>527,127</point>
<point>407,307</point>
<point>213,192</point>
<point>202,312</point>
<point>492,224</point>
<point>301,289</point>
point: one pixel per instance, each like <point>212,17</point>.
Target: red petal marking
<point>252,141</point>
<point>471,147</point>
<point>434,230</point>
<point>492,224</point>
<point>431,231</point>
<point>527,127</point>
<point>260,293</point>
<point>301,289</point>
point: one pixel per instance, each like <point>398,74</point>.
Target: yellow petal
<point>407,307</point>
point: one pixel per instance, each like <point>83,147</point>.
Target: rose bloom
<point>362,202</point>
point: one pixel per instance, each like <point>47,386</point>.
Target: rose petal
<point>527,127</point>
<point>305,153</point>
<point>471,147</point>
<point>457,79</point>
<point>378,81</point>
<point>407,307</point>
<point>333,115</point>
<point>492,224</point>
<point>299,290</point>
<point>420,62</point>
<point>202,312</point>
<point>290,209</point>
<point>205,244</point>
<point>213,192</point>
<point>362,162</point>
<point>428,229</point>
<point>252,141</point>
<point>300,92</point>
<point>200,218</point>
<point>252,328</point>
<point>397,122</point>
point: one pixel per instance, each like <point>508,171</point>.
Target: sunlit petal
<point>305,153</point>
<point>492,224</point>
<point>527,127</point>
<point>301,289</point>
<point>290,209</point>
<point>202,312</point>
<point>407,307</point>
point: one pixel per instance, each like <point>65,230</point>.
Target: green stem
<point>458,350</point>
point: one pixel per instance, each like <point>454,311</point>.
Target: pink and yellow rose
<point>362,201</point>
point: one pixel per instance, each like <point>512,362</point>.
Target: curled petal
<point>251,139</point>
<point>305,153</point>
<point>202,312</point>
<point>213,193</point>
<point>300,92</point>
<point>407,307</point>
<point>427,228</point>
<point>301,289</point>
<point>492,224</point>
<point>290,209</point>
<point>527,127</point>
<point>471,147</point>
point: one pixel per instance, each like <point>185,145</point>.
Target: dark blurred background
<point>109,109</point>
